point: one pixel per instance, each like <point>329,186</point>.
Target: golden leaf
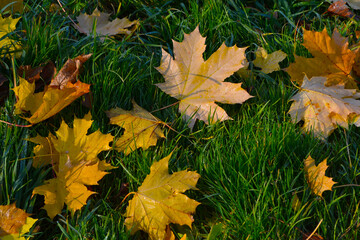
<point>142,129</point>
<point>60,93</point>
<point>73,155</point>
<point>14,222</point>
<point>198,84</point>
<point>323,108</point>
<point>268,62</point>
<point>315,176</point>
<point>159,201</point>
<point>103,26</point>
<point>7,25</point>
<point>331,58</point>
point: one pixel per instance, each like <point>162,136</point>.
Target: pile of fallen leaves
<point>327,97</point>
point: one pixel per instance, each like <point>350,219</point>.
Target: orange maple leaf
<point>331,58</point>
<point>198,84</point>
<point>61,92</point>
<point>315,176</point>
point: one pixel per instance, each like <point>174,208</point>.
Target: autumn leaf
<point>268,62</point>
<point>142,129</point>
<point>323,108</point>
<point>198,84</point>
<point>159,201</point>
<point>331,58</point>
<point>14,222</point>
<point>315,176</point>
<point>355,4</point>
<point>339,8</point>
<point>4,89</point>
<point>7,25</point>
<point>73,155</point>
<point>72,143</point>
<point>61,92</point>
<point>103,26</point>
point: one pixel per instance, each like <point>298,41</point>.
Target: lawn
<point>251,167</point>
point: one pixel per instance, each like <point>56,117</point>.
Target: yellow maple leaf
<point>268,62</point>
<point>60,93</point>
<point>7,25</point>
<point>331,58</point>
<point>323,108</point>
<point>73,155</point>
<point>14,222</point>
<point>315,176</point>
<point>198,84</point>
<point>142,129</point>
<point>159,201</point>
<point>103,25</point>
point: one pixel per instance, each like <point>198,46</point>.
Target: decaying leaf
<point>73,155</point>
<point>339,8</point>
<point>355,4</point>
<point>323,108</point>
<point>159,201</point>
<point>103,26</point>
<point>268,62</point>
<point>14,222</point>
<point>315,176</point>
<point>331,58</point>
<point>4,89</point>
<point>7,25</point>
<point>198,84</point>
<point>142,129</point>
<point>61,92</point>
<point>45,73</point>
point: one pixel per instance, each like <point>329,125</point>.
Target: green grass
<point>251,167</point>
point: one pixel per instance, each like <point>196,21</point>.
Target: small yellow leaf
<point>142,129</point>
<point>198,84</point>
<point>295,203</point>
<point>14,222</point>
<point>159,201</point>
<point>268,62</point>
<point>315,176</point>
<point>103,25</point>
<point>7,25</point>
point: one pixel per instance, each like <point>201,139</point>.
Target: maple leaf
<point>323,108</point>
<point>73,155</point>
<point>159,201</point>
<point>332,59</point>
<point>198,83</point>
<point>7,25</point>
<point>268,62</point>
<point>60,93</point>
<point>315,176</point>
<point>72,143</point>
<point>339,8</point>
<point>103,26</point>
<point>14,222</point>
<point>355,4</point>
<point>142,129</point>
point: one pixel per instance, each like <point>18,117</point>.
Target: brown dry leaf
<point>73,155</point>
<point>14,222</point>
<point>331,58</point>
<point>268,62</point>
<point>4,89</point>
<point>60,93</point>
<point>159,201</point>
<point>315,176</point>
<point>324,108</point>
<point>103,26</point>
<point>355,4</point>
<point>339,8</point>
<point>198,84</point>
<point>44,73</point>
<point>142,129</point>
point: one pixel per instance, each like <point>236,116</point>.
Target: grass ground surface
<point>250,167</point>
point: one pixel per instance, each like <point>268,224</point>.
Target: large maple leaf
<point>7,25</point>
<point>315,176</point>
<point>159,201</point>
<point>331,58</point>
<point>14,222</point>
<point>323,108</point>
<point>198,84</point>
<point>61,92</point>
<point>73,155</point>
<point>142,129</point>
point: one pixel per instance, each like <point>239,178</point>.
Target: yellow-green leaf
<point>268,62</point>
